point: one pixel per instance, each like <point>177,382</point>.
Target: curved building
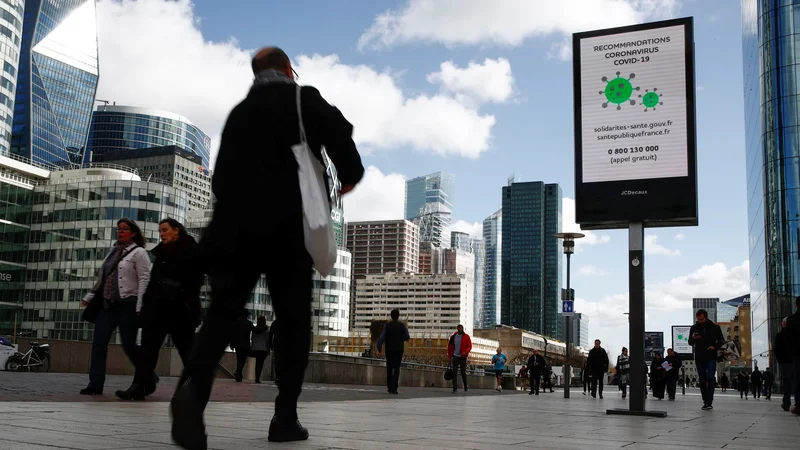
<point>11,15</point>
<point>772,151</point>
<point>57,82</point>
<point>115,128</point>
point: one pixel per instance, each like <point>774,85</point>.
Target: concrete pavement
<point>438,420</point>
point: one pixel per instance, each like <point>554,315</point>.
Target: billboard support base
<point>630,412</point>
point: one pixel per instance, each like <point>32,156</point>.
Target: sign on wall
<point>635,125</point>
<point>680,340</point>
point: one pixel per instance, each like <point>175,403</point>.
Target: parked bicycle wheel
<point>44,367</point>
<point>14,364</point>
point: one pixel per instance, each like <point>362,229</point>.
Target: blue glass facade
<point>531,266</point>
<point>492,238</point>
<point>11,13</point>
<point>116,128</point>
<point>434,194</point>
<point>57,82</point>
<point>771,57</point>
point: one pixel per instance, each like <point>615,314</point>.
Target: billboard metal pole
<point>636,318</point>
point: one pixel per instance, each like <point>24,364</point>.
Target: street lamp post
<point>569,248</point>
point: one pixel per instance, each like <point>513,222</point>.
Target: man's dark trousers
<point>787,373</point>
<point>234,273</point>
<point>393,360</point>
<point>597,381</point>
<point>536,381</point>
<point>459,362</point>
<point>707,377</point>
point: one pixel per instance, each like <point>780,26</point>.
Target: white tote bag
<point>320,239</point>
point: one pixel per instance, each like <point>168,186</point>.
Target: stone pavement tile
<point>64,439</point>
<point>12,445</point>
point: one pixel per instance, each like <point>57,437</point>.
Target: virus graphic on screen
<point>619,91</point>
<point>651,99</point>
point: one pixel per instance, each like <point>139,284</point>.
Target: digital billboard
<point>653,343</point>
<point>680,341</point>
<point>635,155</point>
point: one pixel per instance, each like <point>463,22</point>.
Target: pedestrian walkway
<point>463,421</point>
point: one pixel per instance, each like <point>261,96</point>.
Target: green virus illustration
<point>619,91</point>
<point>651,99</point>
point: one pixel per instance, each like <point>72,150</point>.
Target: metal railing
<point>28,161</point>
<point>17,178</point>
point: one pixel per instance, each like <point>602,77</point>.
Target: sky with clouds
<point>479,89</point>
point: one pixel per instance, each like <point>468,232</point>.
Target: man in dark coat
<point>536,368</point>
<point>598,366</point>
<point>241,343</point>
<point>394,335</point>
<point>783,355</point>
<point>706,338</point>
<point>246,239</point>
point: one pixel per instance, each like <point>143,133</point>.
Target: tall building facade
<point>56,82</point>
<point>380,247</point>
<point>579,330</point>
<point>11,17</point>
<point>531,259</point>
<point>431,304</point>
<point>171,165</point>
<point>118,128</point>
<point>717,311</point>
<point>429,203</point>
<point>492,241</point>
<point>772,151</point>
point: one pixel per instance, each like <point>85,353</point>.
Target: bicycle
<point>36,359</point>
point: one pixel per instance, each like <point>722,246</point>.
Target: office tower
<point>579,329</point>
<point>380,247</point>
<point>463,241</point>
<point>531,258</point>
<point>118,128</point>
<point>429,203</point>
<point>57,82</point>
<point>171,165</point>
<point>771,149</point>
<point>11,17</point>
<point>492,240</point>
<point>431,304</point>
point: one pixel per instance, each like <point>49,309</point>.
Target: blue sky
<point>198,66</point>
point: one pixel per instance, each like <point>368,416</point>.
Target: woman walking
<point>658,376</point>
<point>623,369</point>
<point>171,303</point>
<point>260,348</point>
<point>115,300</point>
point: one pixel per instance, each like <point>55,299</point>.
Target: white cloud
<point>680,237</point>
<point>474,229</point>
<point>154,55</point>
<point>471,22</point>
<point>491,81</point>
<point>561,50</point>
<point>652,247</point>
<point>591,271</point>
<point>568,225</point>
<point>700,88</point>
<point>667,303</point>
<point>377,197</point>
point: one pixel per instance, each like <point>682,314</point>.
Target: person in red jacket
<point>458,350</point>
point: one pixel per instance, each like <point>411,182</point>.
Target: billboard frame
<point>683,356</point>
<point>601,205</point>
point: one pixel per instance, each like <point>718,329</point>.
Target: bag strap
<point>303,139</point>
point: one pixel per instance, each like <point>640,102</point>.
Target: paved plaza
<point>365,417</point>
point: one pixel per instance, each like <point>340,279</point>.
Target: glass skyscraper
<point>10,39</point>
<point>475,246</point>
<point>771,59</point>
<point>429,203</point>
<point>531,259</point>
<point>492,241</point>
<point>56,83</point>
<point>116,128</point>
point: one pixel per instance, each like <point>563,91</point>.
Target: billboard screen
<point>635,125</point>
<point>680,340</point>
<point>653,343</point>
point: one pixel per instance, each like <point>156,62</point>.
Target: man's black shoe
<point>91,391</point>
<point>286,431</point>
<point>135,392</point>
<point>238,377</point>
<point>188,430</point>
<point>151,388</point>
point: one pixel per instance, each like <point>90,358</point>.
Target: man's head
<point>624,350</point>
<point>460,329</point>
<point>272,58</point>
<point>499,350</point>
<point>597,343</point>
<point>535,352</point>
<point>702,316</point>
<point>395,314</point>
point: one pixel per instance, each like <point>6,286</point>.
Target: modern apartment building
<point>492,241</point>
<point>432,304</point>
<point>171,165</point>
<point>380,247</point>
<point>56,83</point>
<point>531,258</point>
<point>429,203</point>
<point>119,128</point>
